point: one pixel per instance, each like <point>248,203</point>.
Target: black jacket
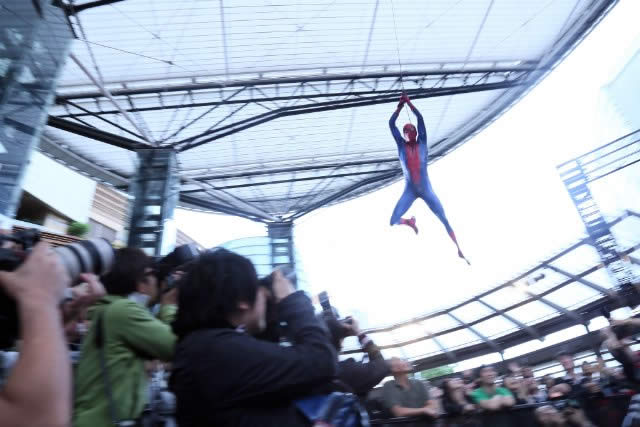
<point>222,377</point>
<point>362,377</point>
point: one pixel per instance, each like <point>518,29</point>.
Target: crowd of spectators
<point>574,398</point>
<point>211,344</point>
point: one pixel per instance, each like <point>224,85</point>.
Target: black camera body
<point>273,332</point>
<point>287,271</point>
<point>334,324</point>
<point>177,259</point>
<point>87,256</point>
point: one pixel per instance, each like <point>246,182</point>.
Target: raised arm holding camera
<point>111,378</point>
<point>223,375</point>
<point>38,390</point>
<point>362,376</point>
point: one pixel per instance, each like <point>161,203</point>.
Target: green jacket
<point>131,336</point>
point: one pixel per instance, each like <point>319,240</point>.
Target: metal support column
<point>576,180</point>
<point>281,241</point>
<point>34,43</point>
<point>155,188</point>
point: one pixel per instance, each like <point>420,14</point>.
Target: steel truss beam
<point>96,80</point>
<point>344,192</point>
<point>486,340</point>
<point>606,159</point>
<point>55,150</point>
<point>232,200</point>
<point>198,203</point>
<point>296,169</point>
<point>257,100</point>
<point>537,357</point>
<point>566,319</point>
<point>532,271</point>
<point>353,79</point>
<point>535,334</point>
<point>95,133</point>
<point>74,9</point>
<point>308,178</point>
<point>338,91</point>
<point>354,99</point>
<point>360,101</point>
<point>560,309</point>
<point>97,116</point>
<point>585,282</point>
<point>576,175</point>
<point>445,350</point>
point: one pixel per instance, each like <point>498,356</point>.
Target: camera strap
<point>100,345</point>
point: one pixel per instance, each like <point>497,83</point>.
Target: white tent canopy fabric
<point>284,105</point>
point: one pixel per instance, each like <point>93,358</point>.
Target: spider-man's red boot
<point>460,254</point>
<point>411,222</point>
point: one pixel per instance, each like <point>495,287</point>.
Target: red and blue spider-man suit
<point>413,153</point>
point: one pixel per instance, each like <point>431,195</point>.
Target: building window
<point>100,230</point>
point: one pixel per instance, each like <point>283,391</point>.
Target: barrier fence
<point>603,412</point>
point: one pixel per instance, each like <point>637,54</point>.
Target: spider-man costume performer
<point>413,153</point>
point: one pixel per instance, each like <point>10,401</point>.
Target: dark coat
<point>224,377</point>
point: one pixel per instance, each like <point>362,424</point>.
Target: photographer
<point>38,391</point>
<point>111,381</point>
<point>618,345</point>
<point>360,377</point>
<point>223,375</point>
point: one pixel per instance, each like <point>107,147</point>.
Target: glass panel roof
<point>505,297</point>
<point>413,338</point>
<point>551,278</point>
<point>456,339</point>
<point>495,327</point>
<point>472,311</point>
<point>551,339</point>
<point>578,260</point>
<point>421,349</point>
<point>254,95</point>
<point>574,294</point>
<point>440,323</point>
<point>478,361</point>
<point>408,332</point>
<point>531,312</point>
<point>164,39</point>
<point>383,338</point>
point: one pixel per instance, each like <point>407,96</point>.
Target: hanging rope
<point>395,32</point>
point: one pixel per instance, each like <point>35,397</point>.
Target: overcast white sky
<point>500,190</point>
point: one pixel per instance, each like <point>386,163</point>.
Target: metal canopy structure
<point>567,289</point>
<point>278,108</point>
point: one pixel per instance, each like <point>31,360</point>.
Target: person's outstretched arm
<point>246,369</point>
<point>38,391</point>
<point>363,376</point>
<point>392,123</point>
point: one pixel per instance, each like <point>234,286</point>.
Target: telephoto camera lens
<point>88,256</point>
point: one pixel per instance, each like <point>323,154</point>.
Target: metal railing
<point>603,412</point>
